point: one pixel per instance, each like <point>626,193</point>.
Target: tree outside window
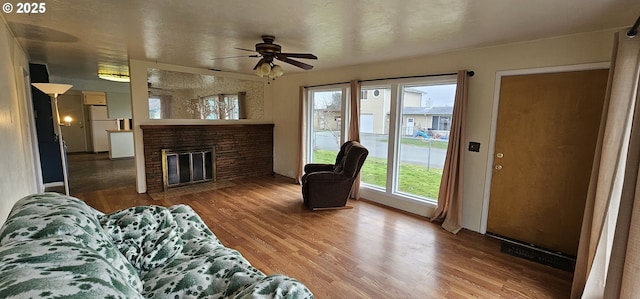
<point>220,106</point>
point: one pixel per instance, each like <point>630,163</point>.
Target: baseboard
<point>536,254</point>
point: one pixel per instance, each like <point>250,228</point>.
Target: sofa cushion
<point>206,269</point>
<point>58,267</point>
<point>147,236</point>
<point>53,245</point>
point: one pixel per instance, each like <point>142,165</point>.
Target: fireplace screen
<point>184,167</point>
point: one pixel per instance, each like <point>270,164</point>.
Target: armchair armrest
<point>324,177</point>
<point>315,167</point>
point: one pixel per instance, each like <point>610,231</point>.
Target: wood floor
<point>365,252</point>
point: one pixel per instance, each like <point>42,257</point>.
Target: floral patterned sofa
<point>56,246</point>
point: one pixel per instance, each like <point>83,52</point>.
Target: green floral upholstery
<point>56,246</point>
<point>147,235</point>
<point>53,246</point>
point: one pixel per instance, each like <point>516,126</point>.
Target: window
<point>423,147</point>
<point>441,123</point>
<point>374,135</point>
<point>405,128</point>
<point>155,108</point>
<point>219,107</point>
<point>326,126</point>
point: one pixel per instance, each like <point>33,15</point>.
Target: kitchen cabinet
<point>94,97</point>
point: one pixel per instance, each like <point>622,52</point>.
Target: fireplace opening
<point>187,166</point>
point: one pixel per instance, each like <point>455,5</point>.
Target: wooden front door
<point>545,141</point>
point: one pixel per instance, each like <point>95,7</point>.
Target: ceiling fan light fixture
<point>276,71</point>
<point>114,77</point>
<point>264,69</point>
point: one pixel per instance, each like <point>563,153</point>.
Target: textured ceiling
<point>75,38</point>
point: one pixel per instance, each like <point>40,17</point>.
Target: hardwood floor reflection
<point>365,252</point>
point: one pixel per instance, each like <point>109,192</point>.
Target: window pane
<point>231,106</point>
<point>155,108</point>
<point>424,133</point>
<point>218,107</point>
<point>326,124</point>
<point>374,134</point>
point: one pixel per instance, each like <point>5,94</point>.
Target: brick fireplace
<point>240,150</point>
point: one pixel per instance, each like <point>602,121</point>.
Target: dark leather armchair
<point>328,185</point>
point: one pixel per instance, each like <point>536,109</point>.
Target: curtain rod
<point>634,29</point>
<point>327,84</point>
<point>469,73</point>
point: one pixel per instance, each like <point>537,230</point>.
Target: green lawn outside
<point>414,179</point>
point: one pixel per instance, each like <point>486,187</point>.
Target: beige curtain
<point>242,104</point>
<point>354,126</point>
<point>608,261</point>
<point>302,133</point>
<point>449,210</point>
<point>165,107</point>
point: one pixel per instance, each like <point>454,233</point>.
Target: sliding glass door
<point>404,124</point>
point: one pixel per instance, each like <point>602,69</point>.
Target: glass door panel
<point>424,133</point>
<point>375,104</point>
<point>325,125</point>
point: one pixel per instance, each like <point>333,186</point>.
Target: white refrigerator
<point>100,123</point>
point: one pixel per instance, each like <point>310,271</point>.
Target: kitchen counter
<point>119,131</point>
<point>120,144</point>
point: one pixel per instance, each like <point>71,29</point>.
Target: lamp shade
<point>52,88</point>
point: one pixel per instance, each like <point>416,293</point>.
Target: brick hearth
<point>241,150</point>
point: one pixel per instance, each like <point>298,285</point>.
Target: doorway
<point>546,130</point>
<point>74,133</point>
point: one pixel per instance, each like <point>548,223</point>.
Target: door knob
<point>499,155</point>
<point>498,167</point>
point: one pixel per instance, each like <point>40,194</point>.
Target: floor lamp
<point>53,90</point>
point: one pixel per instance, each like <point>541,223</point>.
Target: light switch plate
<point>474,146</point>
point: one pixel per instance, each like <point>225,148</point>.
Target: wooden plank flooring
<point>365,252</point>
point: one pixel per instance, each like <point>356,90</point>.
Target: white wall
<point>119,104</point>
<point>567,50</point>
<point>16,150</point>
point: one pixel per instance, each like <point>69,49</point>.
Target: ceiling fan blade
<point>253,56</point>
<point>299,55</point>
<point>259,62</point>
<point>243,49</point>
<point>299,64</point>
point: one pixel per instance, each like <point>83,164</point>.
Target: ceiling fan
<point>268,52</point>
<point>156,90</point>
